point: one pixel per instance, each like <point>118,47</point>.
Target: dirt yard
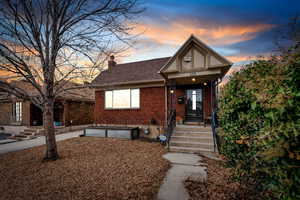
<point>219,185</point>
<point>89,168</point>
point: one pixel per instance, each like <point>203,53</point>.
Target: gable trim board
<point>211,59</point>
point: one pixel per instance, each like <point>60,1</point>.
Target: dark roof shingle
<point>146,70</point>
<point>79,94</point>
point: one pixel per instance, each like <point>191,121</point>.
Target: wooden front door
<point>194,105</point>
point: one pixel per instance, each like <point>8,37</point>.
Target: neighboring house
<point>145,93</point>
<point>71,108</point>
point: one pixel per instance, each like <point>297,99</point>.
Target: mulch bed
<point>219,185</point>
<point>88,168</point>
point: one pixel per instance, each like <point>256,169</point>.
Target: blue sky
<point>237,29</point>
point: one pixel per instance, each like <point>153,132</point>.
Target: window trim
<point>127,108</point>
<point>17,113</point>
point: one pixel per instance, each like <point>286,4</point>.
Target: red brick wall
<point>5,113</point>
<point>152,105</point>
<point>180,108</point>
<point>206,102</point>
<point>26,113</point>
<point>79,112</point>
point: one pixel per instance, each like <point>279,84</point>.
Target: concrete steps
<point>205,139</point>
<point>26,134</point>
<point>22,137</point>
<point>192,128</point>
<point>192,134</point>
<point>189,150</point>
<point>202,145</point>
<point>192,139</point>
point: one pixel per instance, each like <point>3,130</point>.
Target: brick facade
<point>180,108</point>
<point>5,113</point>
<point>79,112</point>
<point>26,113</point>
<point>207,101</point>
<point>152,106</point>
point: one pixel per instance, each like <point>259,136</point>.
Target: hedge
<point>259,113</point>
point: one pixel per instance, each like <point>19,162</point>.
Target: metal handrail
<point>214,125</point>
<point>171,125</point>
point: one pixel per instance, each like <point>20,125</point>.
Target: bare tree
<point>51,42</point>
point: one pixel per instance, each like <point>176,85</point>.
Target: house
<point>71,108</point>
<point>146,93</point>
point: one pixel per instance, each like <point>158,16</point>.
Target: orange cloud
<point>4,73</point>
<point>238,58</point>
<point>176,32</point>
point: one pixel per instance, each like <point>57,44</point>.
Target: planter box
<point>112,132</point>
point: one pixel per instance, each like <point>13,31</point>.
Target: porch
<point>193,101</point>
<point>191,104</point>
<point>192,76</point>
<point>36,114</point>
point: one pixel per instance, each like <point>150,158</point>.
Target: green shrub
<point>260,126</point>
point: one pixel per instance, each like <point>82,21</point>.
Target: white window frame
<point>112,99</point>
<point>17,111</point>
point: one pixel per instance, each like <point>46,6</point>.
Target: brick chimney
<point>111,62</point>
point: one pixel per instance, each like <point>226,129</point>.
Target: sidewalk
<point>16,146</point>
<point>183,166</point>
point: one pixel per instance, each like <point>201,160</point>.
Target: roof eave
<point>126,83</point>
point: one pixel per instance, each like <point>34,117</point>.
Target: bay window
<point>122,99</point>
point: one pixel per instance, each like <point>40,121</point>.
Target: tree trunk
<point>51,152</point>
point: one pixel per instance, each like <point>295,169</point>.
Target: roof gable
<point>194,56</point>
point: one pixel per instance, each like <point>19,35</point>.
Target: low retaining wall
<point>60,130</point>
<point>113,132</point>
<point>146,131</point>
<point>14,130</point>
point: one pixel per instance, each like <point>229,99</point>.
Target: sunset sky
<point>240,30</point>
<point>237,29</point>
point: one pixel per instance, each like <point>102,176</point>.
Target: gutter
<point>126,83</point>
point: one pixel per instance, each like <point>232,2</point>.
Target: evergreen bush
<point>260,125</point>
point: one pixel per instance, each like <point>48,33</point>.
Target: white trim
<point>193,74</point>
<point>201,44</point>
<point>130,99</point>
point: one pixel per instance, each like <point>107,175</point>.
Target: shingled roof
<point>80,94</point>
<point>146,70</point>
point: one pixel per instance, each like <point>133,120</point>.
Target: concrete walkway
<point>183,166</point>
<point>16,146</point>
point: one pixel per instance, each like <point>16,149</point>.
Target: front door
<point>194,108</point>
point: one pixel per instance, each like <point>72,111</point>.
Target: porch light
<point>193,79</point>
<point>204,83</point>
<point>171,91</point>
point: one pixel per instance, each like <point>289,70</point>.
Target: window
<point>122,99</point>
<point>17,111</point>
